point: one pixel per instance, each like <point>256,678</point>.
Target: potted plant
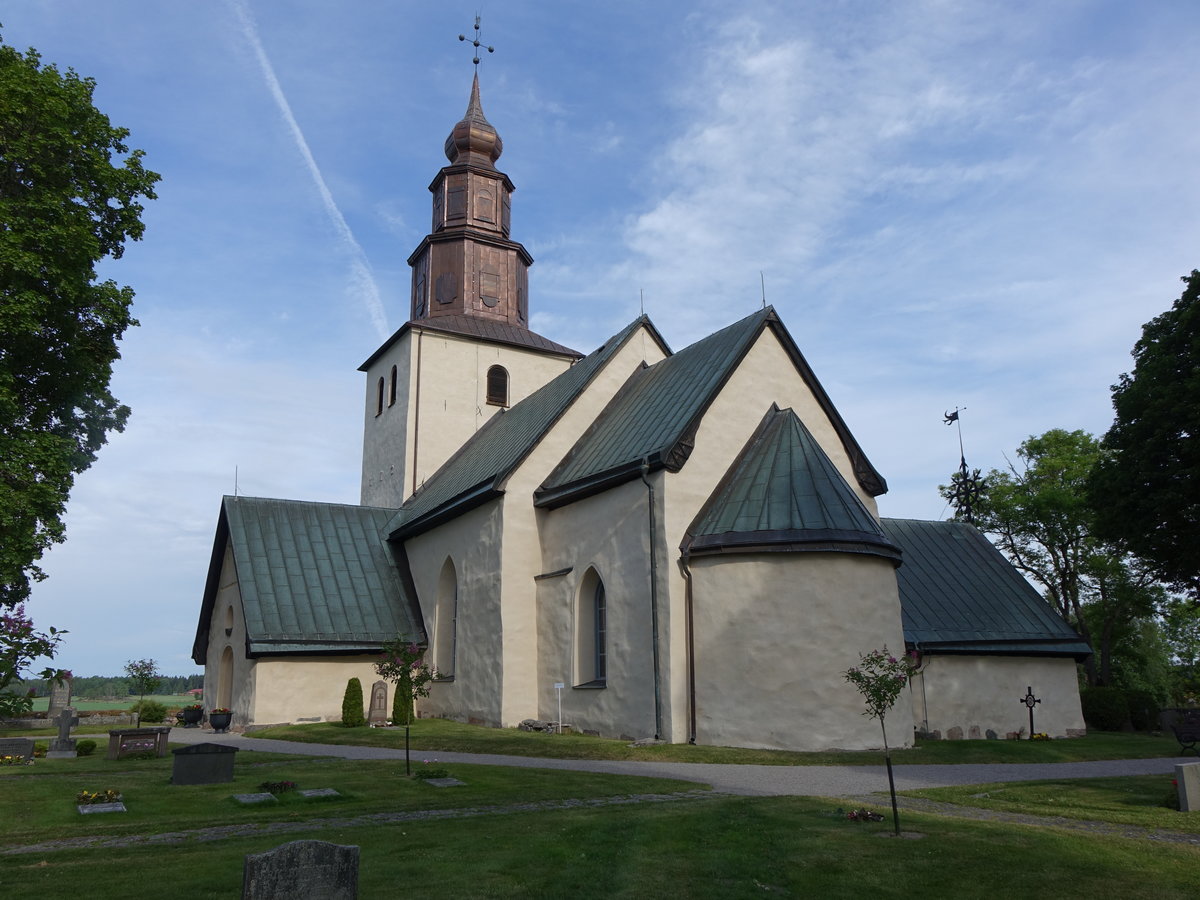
<point>219,719</point>
<point>192,715</point>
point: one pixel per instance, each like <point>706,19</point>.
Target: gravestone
<point>123,742</point>
<point>60,697</point>
<point>1187,782</point>
<point>22,747</point>
<point>974,734</point>
<point>63,746</point>
<point>302,870</point>
<point>954,733</point>
<point>203,764</point>
<point>379,710</point>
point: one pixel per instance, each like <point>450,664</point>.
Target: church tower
<point>466,353</point>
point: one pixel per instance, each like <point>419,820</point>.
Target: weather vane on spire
<point>477,44</point>
<point>966,486</point>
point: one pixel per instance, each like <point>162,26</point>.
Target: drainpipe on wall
<point>685,567</point>
<point>653,602</point>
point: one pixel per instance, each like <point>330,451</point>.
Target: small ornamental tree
<point>144,678</point>
<point>20,645</point>
<point>401,664</point>
<point>880,677</point>
<point>352,705</point>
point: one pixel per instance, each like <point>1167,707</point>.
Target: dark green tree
<point>69,197</point>
<point>1039,515</point>
<point>352,705</point>
<point>143,677</point>
<point>1146,490</point>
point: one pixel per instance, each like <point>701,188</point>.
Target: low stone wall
<point>21,724</point>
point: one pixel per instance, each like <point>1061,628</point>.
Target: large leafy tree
<point>1039,515</point>
<point>70,192</point>
<point>1146,490</point>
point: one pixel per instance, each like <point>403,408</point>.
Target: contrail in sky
<point>363,278</point>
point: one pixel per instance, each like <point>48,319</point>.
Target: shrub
<point>150,711</point>
<point>85,747</point>
<point>1105,708</point>
<point>39,750</point>
<point>1143,710</point>
<point>352,705</point>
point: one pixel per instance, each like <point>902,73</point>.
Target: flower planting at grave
<point>863,815</point>
<point>277,787</point>
<point>14,761</point>
<point>87,798</point>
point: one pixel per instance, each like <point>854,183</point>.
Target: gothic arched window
<point>591,632</point>
<point>497,386</point>
<point>392,388</point>
<point>379,398</point>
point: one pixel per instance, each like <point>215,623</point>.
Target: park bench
<point>1185,724</point>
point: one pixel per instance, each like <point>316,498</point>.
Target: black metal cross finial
<point>966,484</point>
<point>476,43</point>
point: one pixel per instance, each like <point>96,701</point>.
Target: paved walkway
<point>808,781</point>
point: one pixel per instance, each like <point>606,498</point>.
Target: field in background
<point>171,701</point>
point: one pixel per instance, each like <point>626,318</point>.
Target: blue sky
<point>951,204</point>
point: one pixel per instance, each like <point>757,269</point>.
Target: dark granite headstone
<point>203,764</point>
<point>378,714</point>
<point>22,747</point>
<point>302,870</point>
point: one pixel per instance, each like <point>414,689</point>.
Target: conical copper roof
<point>473,141</point>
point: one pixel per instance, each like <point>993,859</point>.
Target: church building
<point>682,545</point>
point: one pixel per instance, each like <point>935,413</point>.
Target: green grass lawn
<point>433,735</point>
<point>723,847</point>
<point>1132,800</point>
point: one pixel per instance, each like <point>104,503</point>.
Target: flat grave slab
<point>444,782</point>
<point>251,799</point>
<point>319,792</point>
<point>88,809</point>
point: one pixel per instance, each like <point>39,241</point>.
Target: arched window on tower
<point>392,388</point>
<point>497,386</point>
<point>591,633</point>
<point>379,398</point>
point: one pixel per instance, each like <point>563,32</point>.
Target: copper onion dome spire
<point>473,141</point>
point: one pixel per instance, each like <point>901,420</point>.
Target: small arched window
<point>497,386</point>
<point>379,398</point>
<point>446,622</point>
<point>392,388</point>
<point>591,632</point>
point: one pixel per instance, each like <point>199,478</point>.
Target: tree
<point>20,645</point>
<point>352,705</point>
<point>401,664</point>
<point>144,678</point>
<point>1146,490</point>
<point>880,677</point>
<point>1040,516</point>
<point>69,197</point>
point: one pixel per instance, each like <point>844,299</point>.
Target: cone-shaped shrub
<point>352,705</point>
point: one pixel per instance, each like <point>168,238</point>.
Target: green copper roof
<point>958,594</point>
<point>654,417</point>
<point>314,577</point>
<point>784,493</point>
<point>476,473</point>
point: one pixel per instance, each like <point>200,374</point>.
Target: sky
<point>970,205</point>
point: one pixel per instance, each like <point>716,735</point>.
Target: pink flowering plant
<point>403,665</point>
<point>880,677</point>
<point>20,645</point>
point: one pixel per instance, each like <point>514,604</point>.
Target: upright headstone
<point>302,870</point>
<point>379,710</point>
<point>60,697</point>
<point>203,764</point>
<point>63,746</point>
<point>1187,782</point>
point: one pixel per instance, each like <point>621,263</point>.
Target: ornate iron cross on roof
<point>476,43</point>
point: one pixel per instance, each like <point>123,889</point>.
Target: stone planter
<point>220,721</point>
<point>191,717</point>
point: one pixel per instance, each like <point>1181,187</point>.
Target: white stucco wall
<point>984,692</point>
<point>308,688</point>
<point>473,542</point>
<point>609,532</point>
<point>386,435</point>
<point>774,632</point>
<point>227,616</point>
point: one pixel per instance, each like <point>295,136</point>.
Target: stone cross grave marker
<point>63,746</point>
<point>60,697</point>
<point>1030,701</point>
<point>379,711</point>
<point>302,870</point>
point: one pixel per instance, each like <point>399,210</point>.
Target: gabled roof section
<point>958,594</point>
<point>477,472</point>
<point>494,332</point>
<point>314,578</point>
<point>656,415</point>
<point>783,493</point>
